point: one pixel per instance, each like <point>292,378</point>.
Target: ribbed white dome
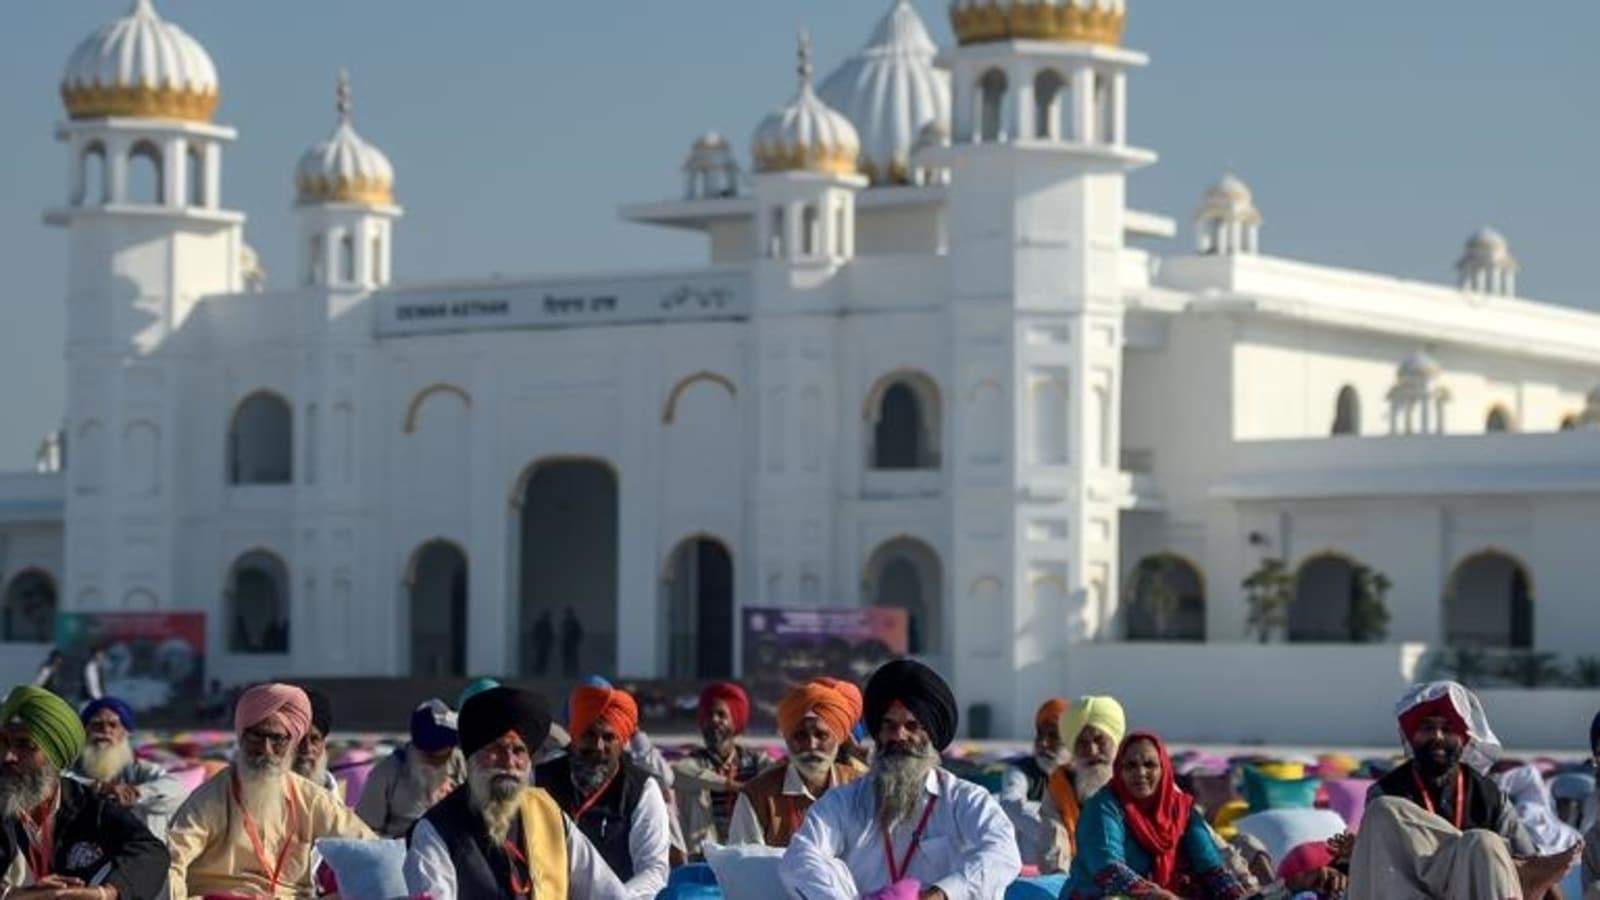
<point>807,134</point>
<point>1231,200</point>
<point>143,67</point>
<point>891,90</point>
<point>344,168</point>
<point>1487,248</point>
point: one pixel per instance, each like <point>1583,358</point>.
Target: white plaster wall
<point>889,231</point>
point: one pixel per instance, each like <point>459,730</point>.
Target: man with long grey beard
<point>908,829</point>
<point>1092,727</point>
<point>495,836</point>
<point>59,839</point>
<point>250,829</point>
<point>141,787</point>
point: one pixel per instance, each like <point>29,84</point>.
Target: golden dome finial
<point>342,95</point>
<point>804,53</point>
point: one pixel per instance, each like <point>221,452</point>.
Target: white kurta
<point>968,850</point>
<point>649,842</point>
<point>429,870</point>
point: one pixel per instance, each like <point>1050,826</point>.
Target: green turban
<point>1104,713</point>
<point>48,720</point>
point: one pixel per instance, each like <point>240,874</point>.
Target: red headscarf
<point>1157,823</point>
<point>733,695</point>
<point>1441,707</point>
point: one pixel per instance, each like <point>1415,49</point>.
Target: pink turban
<point>262,702</point>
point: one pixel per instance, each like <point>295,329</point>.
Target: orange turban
<point>1050,712</point>
<point>814,698</point>
<point>591,704</point>
<point>850,692</point>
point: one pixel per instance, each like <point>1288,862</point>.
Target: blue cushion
<point>693,873</point>
<point>367,870</point>
<point>690,891</point>
<point>1038,887</point>
<point>1264,793</point>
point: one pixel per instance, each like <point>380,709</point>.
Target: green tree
<point>1369,607</point>
<point>1268,591</point>
<point>1531,669</point>
<point>1586,671</point>
<point>1152,585</point>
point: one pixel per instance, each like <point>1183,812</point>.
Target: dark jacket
<point>1488,808</point>
<point>607,821</point>
<point>98,841</point>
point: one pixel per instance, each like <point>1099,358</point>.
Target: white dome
<point>140,66</point>
<point>891,90</point>
<point>1230,199</point>
<point>344,168</point>
<point>807,134</point>
<point>710,152</point>
<point>1068,21</point>
<point>1487,249</point>
<point>1419,365</point>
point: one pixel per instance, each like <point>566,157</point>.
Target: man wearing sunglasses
<point>250,829</point>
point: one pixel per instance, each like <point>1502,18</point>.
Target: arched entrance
<point>29,614</point>
<point>700,612</point>
<point>906,574</point>
<point>1489,603</point>
<point>1167,600</point>
<point>1324,596</point>
<point>568,564</point>
<point>438,579</point>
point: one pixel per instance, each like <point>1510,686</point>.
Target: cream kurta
<point>211,851</point>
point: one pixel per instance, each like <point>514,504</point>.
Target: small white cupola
<point>1228,222</point>
<point>711,170</point>
<point>1418,399</point>
<point>1486,265</point>
<point>344,195</point>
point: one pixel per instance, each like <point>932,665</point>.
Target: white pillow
<point>745,871</point>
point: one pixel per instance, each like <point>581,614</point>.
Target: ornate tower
<point>805,184</point>
<point>1038,157</point>
<point>344,189</point>
<point>147,238</point>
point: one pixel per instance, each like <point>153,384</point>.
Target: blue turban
<point>477,686</point>
<point>123,711</point>
<point>433,727</point>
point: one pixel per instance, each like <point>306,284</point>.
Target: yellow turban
<point>1104,713</point>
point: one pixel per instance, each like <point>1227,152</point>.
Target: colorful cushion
<point>1263,791</point>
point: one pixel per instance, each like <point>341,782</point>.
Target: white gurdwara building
<point>924,365</point>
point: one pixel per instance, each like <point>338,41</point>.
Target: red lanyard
<point>271,871</point>
<point>41,844</point>
<point>895,874</point>
<point>595,797</point>
<point>1461,795</point>
<point>796,814</point>
<point>519,888</point>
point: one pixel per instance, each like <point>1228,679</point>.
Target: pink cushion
<point>1348,798</point>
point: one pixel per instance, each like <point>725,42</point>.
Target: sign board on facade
<point>154,661</point>
<point>786,647</point>
<point>564,304</point>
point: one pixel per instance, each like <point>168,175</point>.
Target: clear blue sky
<point>1376,135</point>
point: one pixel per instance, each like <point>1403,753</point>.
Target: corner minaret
<point>147,239</point>
<point>1487,266</point>
<point>344,190</point>
<point>1038,156</point>
<point>807,175</point>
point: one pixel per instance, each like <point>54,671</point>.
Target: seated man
<point>141,787</point>
<point>250,829</point>
<point>908,826</point>
<point>59,838</point>
<point>1022,785</point>
<point>814,719</point>
<point>1436,827</point>
<point>311,756</point>
<point>708,780</point>
<point>1093,728</point>
<point>408,782</point>
<point>496,837</point>
<point>618,806</point>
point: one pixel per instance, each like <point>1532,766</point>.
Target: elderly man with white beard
<point>496,836</point>
<point>814,720</point>
<point>1092,727</point>
<point>59,839</point>
<point>408,782</point>
<point>141,787</point>
<point>250,829</point>
<point>908,829</point>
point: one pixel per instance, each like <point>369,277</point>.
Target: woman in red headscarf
<point>1142,836</point>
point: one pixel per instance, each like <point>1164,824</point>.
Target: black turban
<point>321,710</point>
<point>488,715</point>
<point>919,689</point>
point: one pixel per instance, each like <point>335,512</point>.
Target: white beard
<point>1089,779</point>
<point>495,795</point>
<point>24,790</point>
<point>1048,764</point>
<point>319,772</point>
<point>104,762</point>
<point>899,781</point>
<point>263,789</point>
<point>813,765</point>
